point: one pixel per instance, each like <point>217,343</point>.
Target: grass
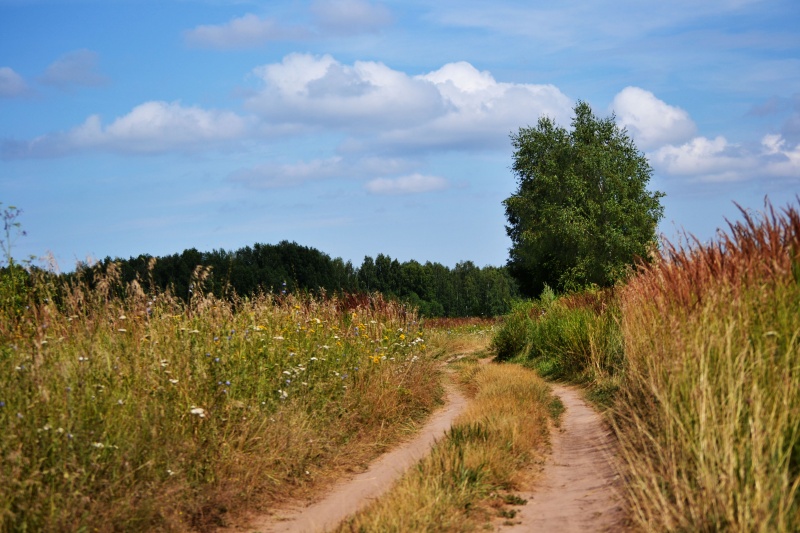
<point>697,358</point>
<point>709,417</point>
<point>467,481</point>
<point>124,410</point>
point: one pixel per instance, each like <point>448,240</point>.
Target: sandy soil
<point>578,489</point>
<point>350,495</point>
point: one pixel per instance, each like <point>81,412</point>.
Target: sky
<point>361,127</point>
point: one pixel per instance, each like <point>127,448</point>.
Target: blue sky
<point>362,127</point>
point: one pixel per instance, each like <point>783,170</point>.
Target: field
<point>127,410</point>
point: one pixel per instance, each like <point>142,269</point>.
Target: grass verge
<point>465,482</point>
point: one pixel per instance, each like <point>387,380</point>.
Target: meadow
<point>123,409</point>
<point>696,359</point>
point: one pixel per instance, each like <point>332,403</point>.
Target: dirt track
<point>350,495</point>
<point>577,491</point>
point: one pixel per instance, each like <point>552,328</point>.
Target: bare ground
<point>578,490</point>
<point>350,495</point>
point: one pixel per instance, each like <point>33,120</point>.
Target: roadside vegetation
<point>126,409</point>
<point>467,481</point>
<point>697,359</point>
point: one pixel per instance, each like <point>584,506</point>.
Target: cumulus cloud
<point>651,122</point>
<point>243,32</point>
<point>705,159</point>
<point>350,17</point>
<point>74,68</point>
<point>411,184</point>
<point>320,91</point>
<point>12,84</point>
<point>152,127</point>
<point>455,107</point>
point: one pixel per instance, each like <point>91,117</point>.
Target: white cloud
<point>243,32</point>
<point>714,160</point>
<point>455,107</point>
<point>781,160</point>
<point>320,91</point>
<point>350,17</point>
<point>411,184</point>
<point>651,121</point>
<point>275,175</point>
<point>74,68</point>
<point>12,84</point>
<point>152,127</point>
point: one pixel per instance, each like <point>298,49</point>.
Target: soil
<point>350,495</point>
<point>578,489</point>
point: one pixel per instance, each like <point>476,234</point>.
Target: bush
<point>512,337</point>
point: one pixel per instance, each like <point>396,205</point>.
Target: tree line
<point>287,267</point>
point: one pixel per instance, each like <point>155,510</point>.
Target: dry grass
<point>459,487</point>
<point>123,410</point>
<point>709,413</point>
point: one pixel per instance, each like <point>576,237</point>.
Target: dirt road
<point>350,495</point>
<point>577,491</point>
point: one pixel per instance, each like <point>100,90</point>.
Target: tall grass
<point>709,415</point>
<point>464,484</point>
<point>574,337</point>
<point>127,410</point>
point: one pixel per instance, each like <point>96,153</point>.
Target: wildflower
<point>277,338</point>
<point>123,317</point>
<point>283,394</point>
<point>170,472</point>
<point>164,363</point>
<point>199,411</point>
<point>98,445</point>
<point>173,381</point>
<point>122,402</point>
<point>2,403</point>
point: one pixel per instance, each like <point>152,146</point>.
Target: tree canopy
<point>581,213</point>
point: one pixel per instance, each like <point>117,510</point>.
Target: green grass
<point>122,410</point>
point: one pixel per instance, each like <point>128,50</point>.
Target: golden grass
<point>709,412</point>
<point>123,410</point>
<point>459,487</point>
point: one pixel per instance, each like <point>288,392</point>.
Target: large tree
<point>582,212</point>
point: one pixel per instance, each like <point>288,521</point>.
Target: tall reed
<point>709,412</point>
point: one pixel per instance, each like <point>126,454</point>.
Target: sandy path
<point>350,495</point>
<point>577,491</point>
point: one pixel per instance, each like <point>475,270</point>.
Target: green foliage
<point>432,288</point>
<point>513,335</point>
<point>581,214</point>
<point>575,337</point>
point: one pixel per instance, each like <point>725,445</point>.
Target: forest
<point>436,290</point>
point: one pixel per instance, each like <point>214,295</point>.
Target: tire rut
<point>578,490</point>
<point>351,495</point>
